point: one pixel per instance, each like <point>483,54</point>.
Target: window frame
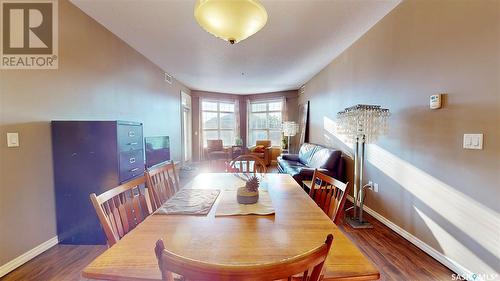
<point>267,112</point>
<point>218,111</point>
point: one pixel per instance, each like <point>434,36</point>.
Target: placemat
<point>190,202</point>
<point>229,206</point>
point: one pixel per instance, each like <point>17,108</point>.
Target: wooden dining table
<point>297,226</point>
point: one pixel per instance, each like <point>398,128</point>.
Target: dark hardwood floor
<point>61,262</point>
<point>396,258</point>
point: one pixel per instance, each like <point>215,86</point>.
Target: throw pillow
<point>259,149</point>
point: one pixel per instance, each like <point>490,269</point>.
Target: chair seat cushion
<point>258,154</point>
<point>217,155</point>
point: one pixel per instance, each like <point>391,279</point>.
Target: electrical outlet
<point>372,186</point>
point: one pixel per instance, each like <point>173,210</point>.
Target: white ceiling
<point>300,38</point>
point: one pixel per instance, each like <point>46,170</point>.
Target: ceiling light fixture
<point>230,20</point>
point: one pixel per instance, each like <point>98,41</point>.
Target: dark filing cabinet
<point>91,157</point>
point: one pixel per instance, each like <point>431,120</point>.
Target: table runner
<point>229,206</point>
<point>190,202</point>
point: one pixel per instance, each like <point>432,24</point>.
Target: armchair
<point>215,150</point>
<point>262,149</point>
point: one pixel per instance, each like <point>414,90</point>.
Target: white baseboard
<point>449,263</point>
<point>15,263</point>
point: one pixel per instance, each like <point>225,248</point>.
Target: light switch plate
<point>473,141</point>
<point>12,139</point>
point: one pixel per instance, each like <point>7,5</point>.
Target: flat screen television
<point>157,150</point>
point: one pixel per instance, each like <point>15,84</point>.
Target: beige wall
<point>99,77</point>
<point>442,194</point>
<point>291,103</point>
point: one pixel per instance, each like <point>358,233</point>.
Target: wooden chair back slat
<point>142,202</point>
<point>329,194</point>
<point>201,271</point>
<point>121,209</point>
<point>247,164</point>
<point>116,215</point>
<point>124,218</point>
<point>110,218</point>
<point>130,214</point>
<point>163,183</point>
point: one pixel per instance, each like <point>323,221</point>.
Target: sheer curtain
<point>237,133</point>
<point>200,132</point>
<point>284,111</point>
<point>249,110</point>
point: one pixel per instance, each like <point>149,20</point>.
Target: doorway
<point>187,125</point>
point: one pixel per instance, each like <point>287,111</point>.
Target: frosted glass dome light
<point>230,20</point>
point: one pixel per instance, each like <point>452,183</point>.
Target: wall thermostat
<point>435,101</point>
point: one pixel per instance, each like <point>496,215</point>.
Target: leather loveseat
<point>312,156</point>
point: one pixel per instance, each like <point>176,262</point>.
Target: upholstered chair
<point>215,150</point>
<point>263,150</point>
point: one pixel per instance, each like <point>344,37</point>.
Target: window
<point>264,121</point>
<point>218,121</point>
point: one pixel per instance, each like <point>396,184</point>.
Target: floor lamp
<point>290,129</point>
<point>361,124</point>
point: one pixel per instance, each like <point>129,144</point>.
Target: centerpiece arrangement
<point>249,194</point>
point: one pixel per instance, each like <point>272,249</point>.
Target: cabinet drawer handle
<point>131,134</point>
<point>133,143</point>
<point>131,160</point>
<point>134,170</point>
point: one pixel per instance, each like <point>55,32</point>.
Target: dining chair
<point>121,209</point>
<point>190,269</point>
<point>330,195</point>
<point>246,164</point>
<point>162,183</point>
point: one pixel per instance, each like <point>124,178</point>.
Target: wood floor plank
<point>396,258</point>
<point>59,263</point>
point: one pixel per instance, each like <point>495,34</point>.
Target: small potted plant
<point>249,194</point>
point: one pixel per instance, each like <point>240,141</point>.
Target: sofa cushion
<point>306,152</point>
<point>334,161</point>
<point>289,166</point>
<point>324,158</point>
<point>291,157</point>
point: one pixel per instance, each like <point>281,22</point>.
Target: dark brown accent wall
<point>432,188</point>
<point>99,78</point>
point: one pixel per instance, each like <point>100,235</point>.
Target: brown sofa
<point>312,156</point>
<point>265,155</point>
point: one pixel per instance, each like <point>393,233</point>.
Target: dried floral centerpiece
<point>249,194</point>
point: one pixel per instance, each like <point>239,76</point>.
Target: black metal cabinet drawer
<point>131,164</point>
<point>129,137</point>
